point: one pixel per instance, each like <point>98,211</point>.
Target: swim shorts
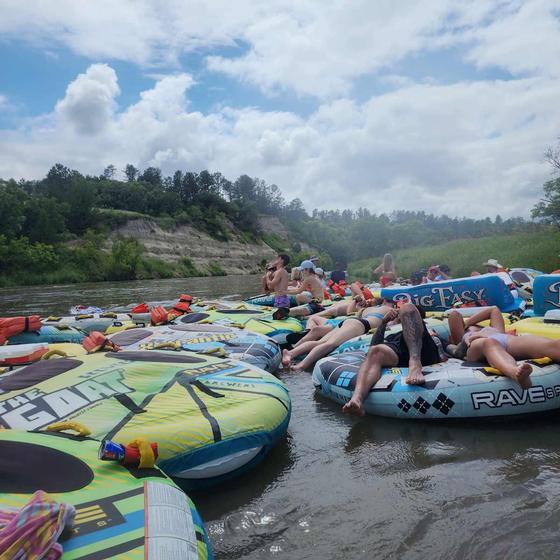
<point>314,307</point>
<point>430,353</point>
<point>282,301</point>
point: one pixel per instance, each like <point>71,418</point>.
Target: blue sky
<point>398,103</point>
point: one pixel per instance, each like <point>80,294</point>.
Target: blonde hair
<point>295,275</point>
<point>388,264</point>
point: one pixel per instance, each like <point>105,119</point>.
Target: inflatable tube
<point>439,296</point>
<point>260,322</point>
<point>203,411</point>
<point>362,343</point>
<point>268,300</point>
<point>524,279</point>
<point>50,334</point>
<point>121,512</point>
<point>547,326</point>
<point>546,293</point>
<point>241,345</point>
<point>19,354</point>
<point>453,389</point>
<point>88,322</point>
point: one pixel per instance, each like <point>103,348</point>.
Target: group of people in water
<point>413,345</point>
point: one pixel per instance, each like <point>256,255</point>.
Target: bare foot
<point>354,407</point>
<point>523,375</point>
<point>415,375</point>
<point>286,358</point>
<point>298,367</point>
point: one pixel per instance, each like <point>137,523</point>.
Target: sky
<point>441,106</point>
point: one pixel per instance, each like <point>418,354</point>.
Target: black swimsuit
<point>365,324</point>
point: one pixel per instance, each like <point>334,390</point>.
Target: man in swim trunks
<point>279,282</point>
<point>414,347</point>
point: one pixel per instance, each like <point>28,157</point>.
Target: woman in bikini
<point>500,349</point>
<point>325,321</point>
<point>369,318</point>
<point>386,270</point>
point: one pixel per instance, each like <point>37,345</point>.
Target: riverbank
<point>538,250</point>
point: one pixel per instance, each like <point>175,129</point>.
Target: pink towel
<point>31,533</point>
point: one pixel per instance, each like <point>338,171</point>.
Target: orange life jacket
<point>10,326</point>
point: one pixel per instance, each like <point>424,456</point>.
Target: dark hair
<point>285,258</point>
<point>444,268</point>
<point>417,275</point>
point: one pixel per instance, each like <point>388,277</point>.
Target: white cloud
<point>89,101</point>
<point>311,47</point>
<point>465,149</point>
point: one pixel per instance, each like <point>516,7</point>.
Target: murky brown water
<point>339,488</point>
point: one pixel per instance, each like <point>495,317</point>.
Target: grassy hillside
<point>538,250</point>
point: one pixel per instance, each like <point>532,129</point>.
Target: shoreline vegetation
<point>61,229</point>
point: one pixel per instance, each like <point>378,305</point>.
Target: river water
<point>340,488</point>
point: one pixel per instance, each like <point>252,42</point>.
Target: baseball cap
<point>307,264</point>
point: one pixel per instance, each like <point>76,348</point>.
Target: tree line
<point>44,217</point>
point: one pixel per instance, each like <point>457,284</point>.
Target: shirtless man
<point>414,347</point>
<point>278,283</point>
<point>310,294</point>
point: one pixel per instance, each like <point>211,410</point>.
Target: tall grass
<point>539,250</point>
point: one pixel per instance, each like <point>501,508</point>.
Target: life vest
<point>326,294</point>
<point>10,326</point>
<point>140,308</point>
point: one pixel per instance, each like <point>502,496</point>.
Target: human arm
<point>491,313</point>
<point>379,335</point>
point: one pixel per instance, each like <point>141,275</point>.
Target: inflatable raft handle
<point>68,425</point>
<point>54,352</point>
<point>147,456</point>
<point>168,346</point>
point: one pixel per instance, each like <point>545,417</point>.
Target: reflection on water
<point>337,487</point>
<point>49,300</point>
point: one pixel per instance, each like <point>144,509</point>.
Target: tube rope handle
<point>168,346</point>
<point>54,352</point>
<point>147,457</point>
<point>69,425</point>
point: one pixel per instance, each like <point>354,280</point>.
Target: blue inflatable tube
<point>453,389</point>
<point>439,296</point>
<point>546,293</point>
<point>50,334</point>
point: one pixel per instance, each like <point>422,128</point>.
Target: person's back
<point>338,275</point>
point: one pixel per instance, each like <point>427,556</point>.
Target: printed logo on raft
<point>511,397</point>
<point>554,289</point>
<point>36,409</point>
<point>444,297</point>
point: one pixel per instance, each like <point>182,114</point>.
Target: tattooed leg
<point>413,330</point>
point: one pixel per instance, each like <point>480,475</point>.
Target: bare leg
<point>377,357</point>
<point>315,321</point>
<point>289,355</point>
<point>315,333</point>
<point>413,331</point>
<point>529,346</point>
<point>299,311</point>
<point>331,342</point>
<point>496,355</point>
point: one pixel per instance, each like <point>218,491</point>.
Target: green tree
<point>548,209</point>
<point>131,172</point>
<point>12,209</point>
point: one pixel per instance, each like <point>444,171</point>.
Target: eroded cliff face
<point>233,256</point>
